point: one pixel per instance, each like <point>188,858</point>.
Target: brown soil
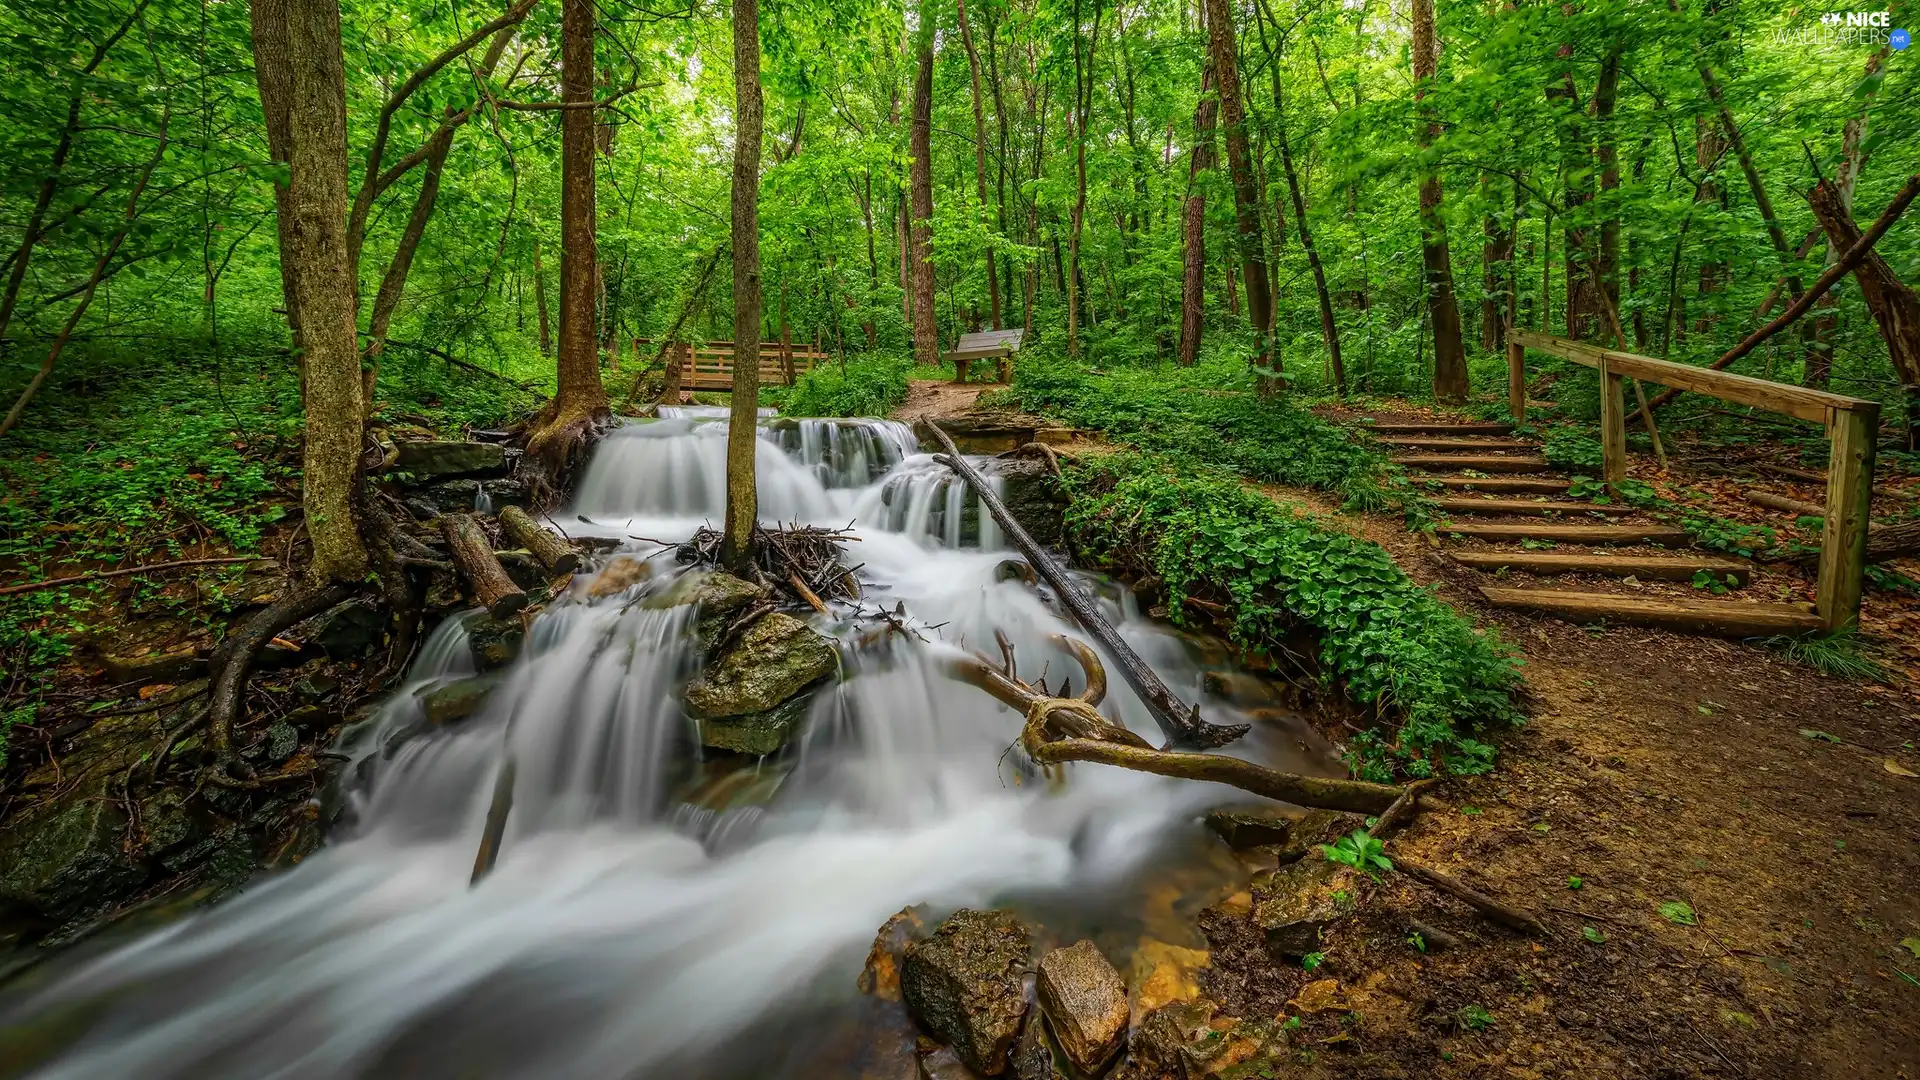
<point>939,399</point>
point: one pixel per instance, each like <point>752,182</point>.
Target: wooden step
<point>1439,427</point>
<point>1577,534</point>
<point>1723,618</point>
<point>1650,567</point>
<point>1476,462</point>
<point>1469,505</point>
<point>1434,442</point>
<point>1504,485</point>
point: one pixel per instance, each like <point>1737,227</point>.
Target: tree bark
<point>554,553</point>
<point>980,151</point>
<point>580,398</point>
<point>1607,159</point>
<point>926,327</point>
<point>1709,148</point>
<point>736,545</point>
<point>540,291</point>
<point>468,547</point>
<point>1443,312</point>
<point>1894,306</point>
<point>324,299</point>
<point>1246,200</point>
<point>1826,324</point>
<point>1081,113</point>
<point>1193,285</point>
<point>273,73</point>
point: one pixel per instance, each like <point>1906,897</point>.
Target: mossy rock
<point>456,700</point>
<point>774,659</point>
<point>719,597</point>
<point>760,733</point>
<point>964,984</point>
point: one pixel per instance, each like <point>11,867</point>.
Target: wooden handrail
<point>1852,426</point>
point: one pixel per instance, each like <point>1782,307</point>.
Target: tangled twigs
<point>802,561</point>
<point>1060,730</point>
<point>236,653</point>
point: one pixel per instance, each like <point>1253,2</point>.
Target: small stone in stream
<point>456,700</point>
<point>1086,1003</point>
<point>1015,570</point>
<point>1240,687</point>
<point>494,642</point>
<point>775,658</point>
<point>429,460</point>
<point>944,1064</point>
<point>881,975</point>
<point>1294,904</point>
<point>963,984</point>
<point>349,630</point>
<point>760,733</point>
<point>1159,1045</point>
<point>1243,829</point>
<point>1309,831</point>
<point>619,575</point>
<point>1033,1054</point>
<point>1162,974</point>
<point>282,741</point>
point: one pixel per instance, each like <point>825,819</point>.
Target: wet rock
<point>260,583</point>
<point>774,658</point>
<point>619,575</point>
<point>434,459</point>
<point>309,718</point>
<point>1034,498</point>
<point>66,859</point>
<point>1085,1002</point>
<point>1241,688</point>
<point>760,733</point>
<point>963,984</point>
<point>456,700</point>
<point>155,666</point>
<point>494,642</point>
<point>1033,1054</point>
<point>945,1064</point>
<point>1294,904</point>
<point>1162,974</point>
<point>1312,829</point>
<point>1016,570</point>
<point>347,631</point>
<point>282,740</point>
<point>1243,829</point>
<point>314,688</point>
<point>881,975</point>
<point>1158,1047</point>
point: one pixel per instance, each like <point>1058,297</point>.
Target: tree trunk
<point>324,297</point>
<point>736,546</point>
<point>980,152</point>
<point>1709,148</point>
<point>1193,285</point>
<point>1449,353</point>
<point>1826,323</point>
<point>580,399</point>
<point>540,291</point>
<point>1246,200</point>
<point>1081,113</point>
<point>1492,255</point>
<point>273,72</point>
<point>1894,305</point>
<point>926,328</point>
<point>1607,158</point>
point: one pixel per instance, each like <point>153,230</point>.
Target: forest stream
<point>659,909</point>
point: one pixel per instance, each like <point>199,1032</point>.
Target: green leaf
<point>1679,912</point>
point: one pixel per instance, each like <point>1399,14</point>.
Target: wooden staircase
<point>1501,517</point>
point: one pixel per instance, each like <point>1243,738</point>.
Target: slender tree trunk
<point>1449,353</point>
<point>1081,112</point>
<point>743,509</point>
<point>1607,159</point>
<point>980,151</point>
<point>330,465</point>
<point>273,72</point>
<point>540,291</point>
<point>1492,256</point>
<point>1193,286</point>
<point>1709,148</point>
<point>926,327</point>
<point>580,398</point>
<point>1826,321</point>
<point>1246,199</point>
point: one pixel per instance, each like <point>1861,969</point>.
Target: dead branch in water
<point>1179,723</point>
<point>1062,729</point>
<point>801,561</point>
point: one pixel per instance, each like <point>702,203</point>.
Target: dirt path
<point>1657,768</point>
<point>939,399</point>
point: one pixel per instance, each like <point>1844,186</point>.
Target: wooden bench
<point>997,344</point>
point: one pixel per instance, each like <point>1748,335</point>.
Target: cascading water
<point>653,913</point>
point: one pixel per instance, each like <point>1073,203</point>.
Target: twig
<point>101,575</point>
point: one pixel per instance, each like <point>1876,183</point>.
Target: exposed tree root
<point>235,655</point>
<point>557,447</point>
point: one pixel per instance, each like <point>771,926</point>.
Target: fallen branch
<point>102,575</point>
<point>1181,725</point>
<point>1510,917</point>
<point>496,828</point>
<point>459,363</point>
<point>1781,502</point>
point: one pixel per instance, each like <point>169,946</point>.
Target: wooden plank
<point>1516,379</point>
<point>1721,618</point>
<point>1843,538</point>
<point>1464,505</point>
<point>1477,462</point>
<point>1435,442</point>
<point>1505,485</point>
<point>1651,567</point>
<point>1797,401</point>
<point>1577,534</point>
<point>1613,427</point>
<point>1438,427</point>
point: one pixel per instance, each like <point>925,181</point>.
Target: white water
<point>623,932</point>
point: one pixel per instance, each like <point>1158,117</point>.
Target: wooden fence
<point>1852,425</point>
<point>710,366</point>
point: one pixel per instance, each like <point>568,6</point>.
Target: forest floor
<point>940,399</point>
<point>1778,805</point>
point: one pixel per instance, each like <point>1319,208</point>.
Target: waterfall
<point>657,910</point>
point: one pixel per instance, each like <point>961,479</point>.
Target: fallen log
<point>1883,542</point>
<point>1781,502</point>
<point>554,553</point>
<point>1180,723</point>
<point>1812,477</point>
<point>492,588</point>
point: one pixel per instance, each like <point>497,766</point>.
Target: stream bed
<point>659,910</point>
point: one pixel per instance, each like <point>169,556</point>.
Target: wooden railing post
<point>1843,540</point>
<point>1613,427</point>
<point>1516,380</point>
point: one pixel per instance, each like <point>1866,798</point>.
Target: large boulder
<point>437,460</point>
<point>719,597</point>
<point>775,658</point>
<point>759,733</point>
<point>1034,497</point>
<point>1085,1002</point>
<point>963,984</point>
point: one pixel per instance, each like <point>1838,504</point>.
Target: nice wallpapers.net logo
<point>1846,29</point>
